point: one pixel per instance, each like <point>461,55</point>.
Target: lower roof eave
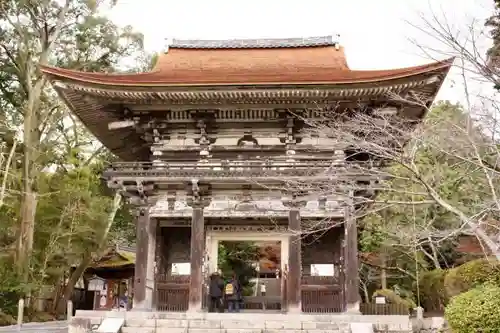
<point>236,96</point>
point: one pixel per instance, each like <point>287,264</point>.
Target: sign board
<point>97,284</point>
<point>111,325</point>
<point>379,300</point>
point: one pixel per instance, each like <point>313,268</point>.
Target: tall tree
<point>70,34</point>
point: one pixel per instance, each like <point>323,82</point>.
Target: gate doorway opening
<point>257,263</point>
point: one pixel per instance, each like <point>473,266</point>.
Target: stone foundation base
<point>192,322</point>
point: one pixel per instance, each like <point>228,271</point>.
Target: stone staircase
<point>231,325</point>
<point>168,322</point>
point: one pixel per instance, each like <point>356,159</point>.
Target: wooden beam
<point>120,124</point>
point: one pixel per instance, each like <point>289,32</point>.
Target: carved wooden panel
<point>248,228</point>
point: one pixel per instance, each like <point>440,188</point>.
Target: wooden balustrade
<point>322,294</point>
<point>172,293</point>
<point>384,309</point>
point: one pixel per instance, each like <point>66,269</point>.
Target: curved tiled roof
<point>247,66</point>
<point>306,71</point>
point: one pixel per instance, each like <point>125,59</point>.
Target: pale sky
<point>375,34</point>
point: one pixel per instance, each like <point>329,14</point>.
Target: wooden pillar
<point>141,259</point>
<point>197,252</point>
<point>198,199</point>
<point>151,265</point>
<point>294,278</point>
<point>351,258</point>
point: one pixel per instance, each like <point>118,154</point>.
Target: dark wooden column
<point>351,258</point>
<point>141,258</point>
<point>197,251</point>
<point>294,262</point>
<point>198,200</point>
<point>294,273</point>
<point>150,303</point>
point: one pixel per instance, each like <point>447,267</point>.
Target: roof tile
<point>304,65</point>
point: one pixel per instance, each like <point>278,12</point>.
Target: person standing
<point>232,292</point>
<point>263,289</point>
<point>215,292</point>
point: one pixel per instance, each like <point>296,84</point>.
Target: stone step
<point>219,330</point>
<point>236,324</point>
<point>169,322</point>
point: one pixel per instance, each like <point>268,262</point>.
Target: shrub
<point>475,310</point>
<point>41,317</point>
<point>431,290</point>
<point>6,319</point>
<point>470,275</point>
<point>393,298</point>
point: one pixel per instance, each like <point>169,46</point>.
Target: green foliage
<point>37,317</point>
<point>471,274</point>
<point>6,319</point>
<point>475,310</point>
<point>10,288</point>
<point>393,298</point>
<point>431,291</point>
<point>238,258</point>
<point>407,222</point>
<point>458,182</point>
<point>58,159</point>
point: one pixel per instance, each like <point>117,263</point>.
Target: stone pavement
<point>48,327</point>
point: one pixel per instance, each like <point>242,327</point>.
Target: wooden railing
<point>172,293</point>
<point>321,294</point>
<point>384,309</point>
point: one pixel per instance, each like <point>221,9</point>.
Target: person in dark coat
<point>232,292</point>
<point>215,292</point>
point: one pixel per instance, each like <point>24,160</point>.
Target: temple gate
<point>207,140</point>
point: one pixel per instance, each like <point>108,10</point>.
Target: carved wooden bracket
<point>294,199</point>
<point>198,194</point>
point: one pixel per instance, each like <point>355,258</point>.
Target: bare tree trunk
<point>26,232</point>
<point>383,272</point>
<point>365,291</point>
<point>87,258</point>
<point>8,163</point>
<point>31,142</point>
<point>473,225</point>
<point>435,258</point>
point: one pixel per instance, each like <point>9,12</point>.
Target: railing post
<point>20,313</point>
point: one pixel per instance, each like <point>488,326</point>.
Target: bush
<point>431,291</point>
<point>475,310</point>
<point>470,275</point>
<point>393,298</point>
<point>40,317</point>
<point>6,319</point>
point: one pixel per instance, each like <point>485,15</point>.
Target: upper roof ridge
<point>254,43</point>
